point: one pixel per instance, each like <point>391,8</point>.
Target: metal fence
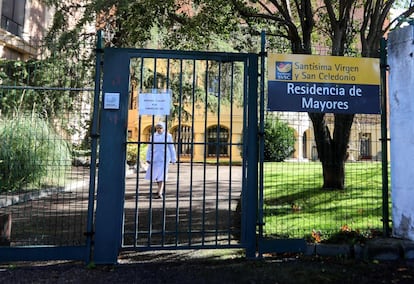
<point>296,206</point>
<point>46,109</point>
<point>53,97</point>
<point>293,204</point>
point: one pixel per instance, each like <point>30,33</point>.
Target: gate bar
<point>94,145</point>
<point>384,139</point>
<point>250,212</point>
<point>261,135</point>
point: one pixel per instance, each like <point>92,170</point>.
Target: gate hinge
<point>385,66</point>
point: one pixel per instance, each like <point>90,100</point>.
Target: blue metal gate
<point>47,178</point>
<point>210,198</point>
<point>215,195</point>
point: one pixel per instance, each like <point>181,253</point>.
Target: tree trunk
<point>333,175</point>
<point>332,151</point>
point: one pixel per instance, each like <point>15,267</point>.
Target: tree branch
<point>264,6</point>
<point>405,14</point>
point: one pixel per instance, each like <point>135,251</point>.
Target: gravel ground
<point>211,267</point>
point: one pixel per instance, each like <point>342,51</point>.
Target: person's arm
<point>171,149</point>
<point>149,151</point>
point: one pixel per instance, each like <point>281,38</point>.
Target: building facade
<point>23,25</point>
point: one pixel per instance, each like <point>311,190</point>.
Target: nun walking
<point>160,153</point>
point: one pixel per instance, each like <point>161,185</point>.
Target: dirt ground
<point>211,267</point>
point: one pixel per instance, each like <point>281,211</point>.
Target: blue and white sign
<point>325,84</point>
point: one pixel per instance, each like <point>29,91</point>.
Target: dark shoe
<point>159,196</point>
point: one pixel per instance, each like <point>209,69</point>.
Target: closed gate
<point>208,102</point>
<point>219,194</point>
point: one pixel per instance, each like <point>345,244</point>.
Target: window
<point>217,139</point>
<point>213,85</point>
<point>304,145</point>
<point>12,16</point>
<point>365,146</point>
<point>183,137</point>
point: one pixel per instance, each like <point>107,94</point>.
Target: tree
<point>36,86</point>
<point>300,23</point>
<point>340,22</point>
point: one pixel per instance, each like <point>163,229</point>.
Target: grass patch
<point>296,206</point>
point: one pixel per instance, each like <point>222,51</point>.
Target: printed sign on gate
<point>155,102</point>
<point>327,84</point>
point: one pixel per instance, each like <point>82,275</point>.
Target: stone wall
<point>401,100</point>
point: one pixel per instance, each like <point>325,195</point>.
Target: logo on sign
<point>283,70</point>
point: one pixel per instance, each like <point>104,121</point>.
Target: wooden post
<point>5,229</point>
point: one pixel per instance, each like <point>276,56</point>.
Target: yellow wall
<point>302,152</point>
<point>201,123</point>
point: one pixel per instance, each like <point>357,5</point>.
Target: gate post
<point>250,196</point>
<point>112,148</point>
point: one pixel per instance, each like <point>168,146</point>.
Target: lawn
<point>295,206</point>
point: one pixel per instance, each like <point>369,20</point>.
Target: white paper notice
<point>155,103</point>
<point>111,101</point>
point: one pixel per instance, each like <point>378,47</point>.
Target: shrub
<point>279,140</point>
<point>29,150</point>
<point>132,153</point>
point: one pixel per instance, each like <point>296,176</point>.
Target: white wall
<point>401,99</point>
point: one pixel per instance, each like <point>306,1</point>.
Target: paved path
<point>199,207</point>
<point>209,204</point>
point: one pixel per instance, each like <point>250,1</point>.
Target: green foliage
<point>402,4</point>
<point>208,24</point>
<point>51,87</point>
<point>348,236</point>
<point>29,150</point>
<point>279,140</point>
<point>91,265</point>
<point>200,25</point>
<point>41,86</point>
<point>223,83</point>
<point>132,153</point>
